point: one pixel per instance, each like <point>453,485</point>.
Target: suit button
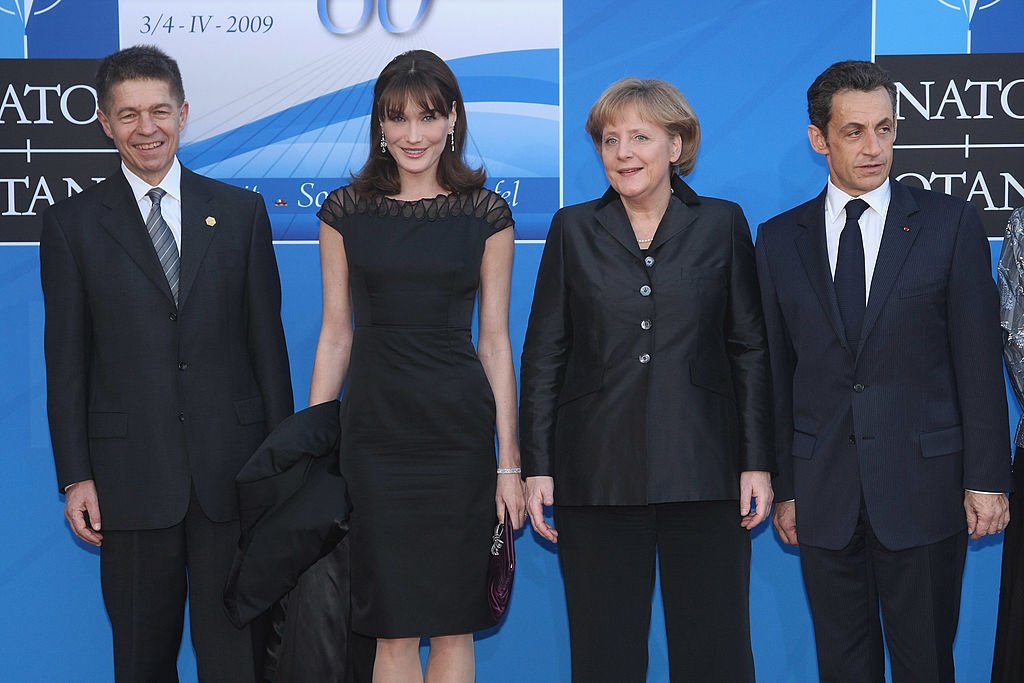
<point>645,290</point>
<point>645,324</point>
<point>181,417</point>
<point>183,366</point>
<point>649,261</point>
<point>172,317</point>
<point>644,358</point>
<point>852,440</point>
<point>859,388</point>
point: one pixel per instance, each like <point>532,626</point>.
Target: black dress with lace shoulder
<point>417,415</point>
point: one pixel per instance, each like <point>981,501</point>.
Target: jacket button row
<point>649,261</point>
<point>644,358</point>
<point>645,290</point>
<point>859,388</point>
<point>181,417</point>
<point>645,324</point>
<point>172,317</point>
<point>183,366</point>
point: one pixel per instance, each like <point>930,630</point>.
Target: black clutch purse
<point>502,568</point>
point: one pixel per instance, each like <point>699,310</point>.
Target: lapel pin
<point>211,221</point>
<point>906,228</point>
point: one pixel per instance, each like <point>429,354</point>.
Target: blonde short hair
<point>657,101</point>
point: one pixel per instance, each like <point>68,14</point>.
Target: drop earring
<point>452,134</point>
<point>383,144</point>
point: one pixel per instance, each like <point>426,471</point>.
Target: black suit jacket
<point>632,396</point>
<point>147,398</point>
<point>918,412</point>
<point>294,510</point>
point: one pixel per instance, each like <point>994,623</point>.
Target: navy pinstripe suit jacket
<point>918,412</point>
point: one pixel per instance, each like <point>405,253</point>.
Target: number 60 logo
<point>383,14</point>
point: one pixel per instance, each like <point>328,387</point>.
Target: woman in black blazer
<point>645,405</point>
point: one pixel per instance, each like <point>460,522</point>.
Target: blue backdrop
<point>745,67</point>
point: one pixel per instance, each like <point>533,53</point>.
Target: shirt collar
<point>877,199</point>
<point>171,184</point>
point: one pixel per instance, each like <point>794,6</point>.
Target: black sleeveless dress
<point>417,415</point>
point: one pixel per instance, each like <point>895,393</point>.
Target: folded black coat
<point>294,510</point>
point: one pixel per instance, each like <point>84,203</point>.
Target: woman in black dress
<point>405,249</point>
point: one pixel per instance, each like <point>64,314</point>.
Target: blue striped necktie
<point>163,241</point>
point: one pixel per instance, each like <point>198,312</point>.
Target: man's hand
<point>784,521</point>
<point>80,500</point>
<point>987,513</point>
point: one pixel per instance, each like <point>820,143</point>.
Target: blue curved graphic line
<point>490,77</point>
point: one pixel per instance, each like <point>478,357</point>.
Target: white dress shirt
<point>170,205</point>
<point>872,221</point>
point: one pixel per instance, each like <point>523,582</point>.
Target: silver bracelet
<point>509,470</point>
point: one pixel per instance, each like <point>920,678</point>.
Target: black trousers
<point>607,554</point>
<point>918,591</point>
<point>146,576</point>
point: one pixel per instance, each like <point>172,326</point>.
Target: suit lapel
<point>898,236</point>
<point>810,244</point>
<point>196,234</point>
<point>611,215</point>
<point>124,223</point>
<point>678,216</point>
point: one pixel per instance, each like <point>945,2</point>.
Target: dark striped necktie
<point>163,241</point>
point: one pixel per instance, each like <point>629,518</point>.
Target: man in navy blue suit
<point>890,411</point>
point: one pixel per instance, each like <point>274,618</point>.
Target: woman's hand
<point>755,497</point>
<point>509,494</point>
<point>540,492</point>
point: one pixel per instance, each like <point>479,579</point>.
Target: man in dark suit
<point>164,373</point>
<point>891,418</point>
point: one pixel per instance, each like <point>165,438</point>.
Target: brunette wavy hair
<point>422,77</point>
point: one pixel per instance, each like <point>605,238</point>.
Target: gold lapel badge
<point>211,221</point>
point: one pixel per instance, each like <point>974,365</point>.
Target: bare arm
<point>334,347</point>
<point>495,351</point>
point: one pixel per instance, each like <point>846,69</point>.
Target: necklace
<point>647,240</point>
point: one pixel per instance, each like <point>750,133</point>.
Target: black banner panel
<point>960,128</point>
<point>51,145</point>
